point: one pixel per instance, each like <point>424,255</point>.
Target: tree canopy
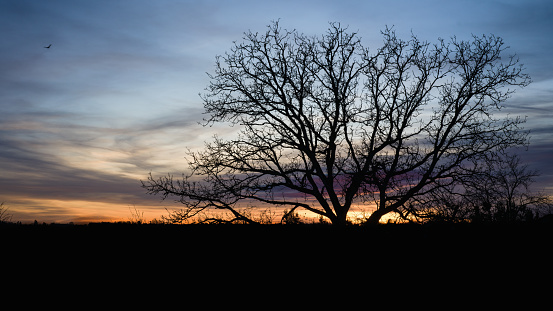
<point>326,123</point>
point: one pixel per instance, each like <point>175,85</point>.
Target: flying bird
<point>47,47</point>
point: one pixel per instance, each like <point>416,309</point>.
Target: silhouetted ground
<point>235,252</point>
<point>284,240</point>
<point>237,263</point>
<point>233,264</point>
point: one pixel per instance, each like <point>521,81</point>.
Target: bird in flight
<point>47,47</point>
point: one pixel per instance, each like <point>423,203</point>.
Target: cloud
<point>44,159</point>
<point>29,172</point>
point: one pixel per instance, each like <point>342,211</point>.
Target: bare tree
<point>502,183</point>
<point>326,123</point>
<point>497,188</point>
<point>4,215</point>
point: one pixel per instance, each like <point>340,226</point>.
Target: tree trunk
<point>339,221</point>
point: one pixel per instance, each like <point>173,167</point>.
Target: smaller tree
<point>495,189</point>
<point>4,215</point>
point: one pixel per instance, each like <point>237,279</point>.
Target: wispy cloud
<point>46,159</point>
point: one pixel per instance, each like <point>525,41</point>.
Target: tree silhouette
<point>326,123</point>
<point>4,215</point>
<point>496,189</point>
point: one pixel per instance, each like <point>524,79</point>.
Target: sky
<point>116,95</point>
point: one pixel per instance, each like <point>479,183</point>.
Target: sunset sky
<point>116,95</point>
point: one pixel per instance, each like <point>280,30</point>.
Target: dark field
<point>278,240</point>
<point>268,261</point>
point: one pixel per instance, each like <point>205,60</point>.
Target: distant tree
<point>291,218</point>
<point>137,216</point>
<point>4,215</point>
<point>500,189</point>
<point>495,189</point>
<point>325,122</point>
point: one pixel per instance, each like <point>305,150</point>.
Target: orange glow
<point>76,211</point>
<point>27,210</point>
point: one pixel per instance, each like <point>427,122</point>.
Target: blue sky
<point>116,96</point>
